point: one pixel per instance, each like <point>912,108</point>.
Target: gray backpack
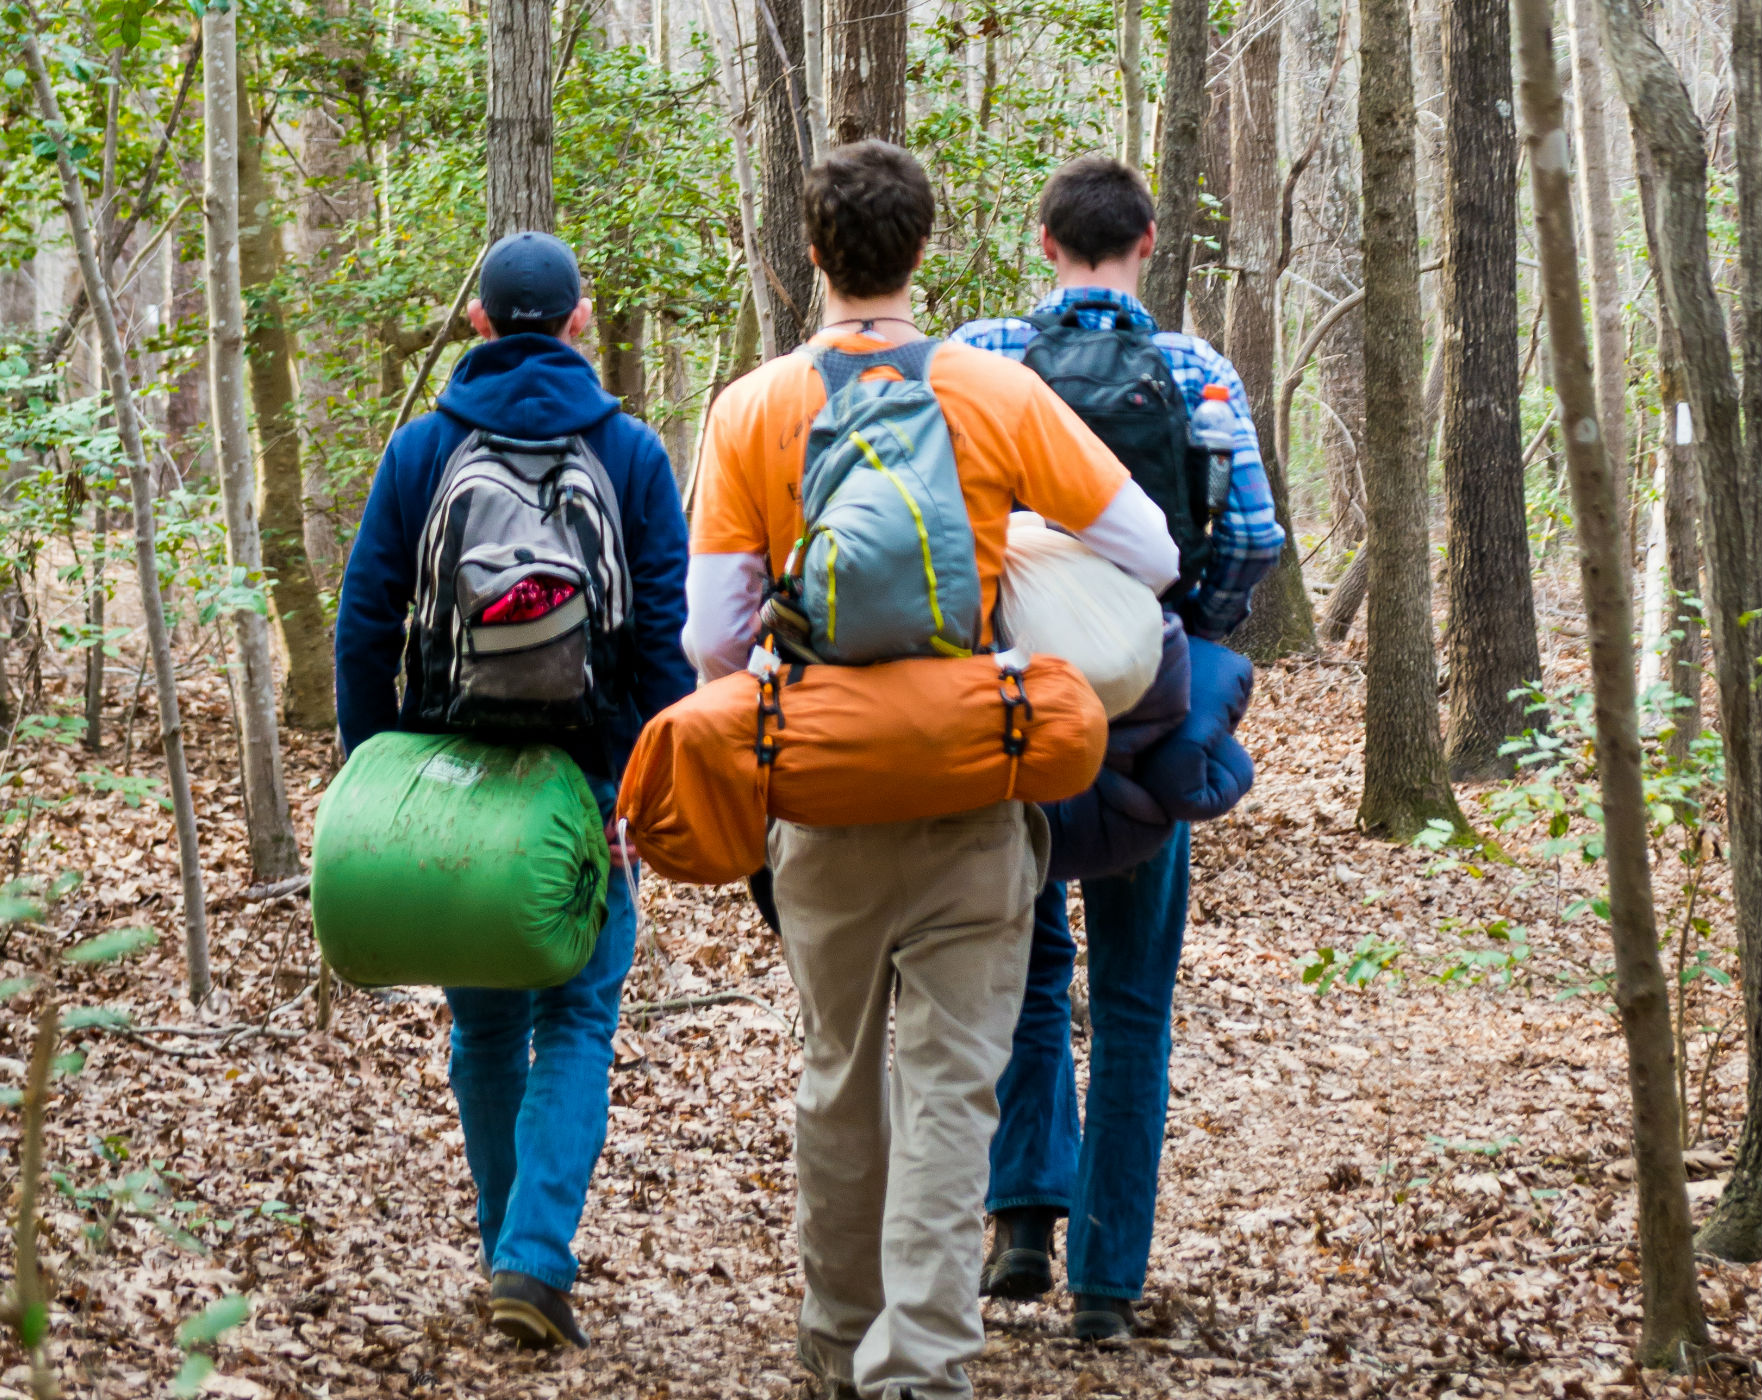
<point>523,606</point>
<point>885,566</point>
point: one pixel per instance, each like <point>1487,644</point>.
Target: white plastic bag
<point>1060,597</point>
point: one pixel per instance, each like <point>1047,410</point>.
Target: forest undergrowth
<point>1417,1185</point>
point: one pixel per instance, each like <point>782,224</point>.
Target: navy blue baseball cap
<point>529,277</point>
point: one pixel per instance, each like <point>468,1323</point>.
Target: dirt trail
<point>1410,1190</point>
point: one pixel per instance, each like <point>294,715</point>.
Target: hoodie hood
<point>526,386</point>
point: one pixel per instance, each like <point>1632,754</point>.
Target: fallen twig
<point>293,886</point>
<point>660,1008</point>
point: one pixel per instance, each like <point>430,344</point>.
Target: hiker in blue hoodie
<point>529,1069</point>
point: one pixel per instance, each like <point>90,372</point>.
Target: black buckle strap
<point>1014,694</point>
<point>769,708</point>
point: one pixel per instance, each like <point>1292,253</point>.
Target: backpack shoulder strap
<point>840,369</point>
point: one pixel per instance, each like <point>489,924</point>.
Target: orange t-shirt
<point>1014,440</point>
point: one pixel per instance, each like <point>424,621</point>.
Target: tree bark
<point>1207,295</point>
<point>866,59</point>
<point>622,331</point>
<point>1682,660</point>
<point>330,201</point>
<point>1406,783</point>
<point>518,189</point>
<point>1490,641</point>
<point>1596,207</point>
<point>1179,150</point>
<point>1340,373</point>
<point>309,688</point>
<point>785,150</point>
<point>275,852</point>
<point>1283,620</point>
<point>1662,111</point>
<point>740,129</point>
<point>1746,74</point>
<point>128,430</point>
<point>1672,1308</point>
<point>676,384</point>
<point>1130,56</point>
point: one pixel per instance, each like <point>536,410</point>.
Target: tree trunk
<point>1340,372</point>
<point>275,852</point>
<point>621,340</point>
<point>1746,74</point>
<point>1130,56</point>
<point>186,406</point>
<point>866,56</point>
<point>1179,150</point>
<point>1406,783</point>
<point>739,128</point>
<point>676,385</point>
<point>518,190</point>
<point>1490,640</point>
<point>1661,110</point>
<point>813,71</point>
<point>1207,295</point>
<point>140,479</point>
<point>1597,210</point>
<point>1672,1321</point>
<point>329,202</point>
<point>1682,660</point>
<point>785,150</point>
<point>1346,599</point>
<point>309,687</point>
<point>1283,620</point>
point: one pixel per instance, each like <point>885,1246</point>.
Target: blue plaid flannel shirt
<point>1245,539</point>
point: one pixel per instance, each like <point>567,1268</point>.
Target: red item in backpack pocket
<point>533,597</point>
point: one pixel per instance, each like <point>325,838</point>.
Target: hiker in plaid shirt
<point>1097,228</point>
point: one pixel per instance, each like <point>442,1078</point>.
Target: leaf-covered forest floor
<point>1414,1189</point>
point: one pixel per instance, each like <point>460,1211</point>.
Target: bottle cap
<point>1216,392</point>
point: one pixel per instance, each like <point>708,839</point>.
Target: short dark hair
<point>1096,208</point>
<point>867,210</point>
<point>509,326</point>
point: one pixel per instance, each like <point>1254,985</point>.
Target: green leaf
<point>14,910</point>
<point>196,1369</point>
<point>13,986</point>
<point>15,78</point>
<point>214,1321</point>
<point>107,947</point>
<point>64,884</point>
<point>70,1063</point>
<point>80,1018</point>
<point>10,1095</point>
<point>33,1326</point>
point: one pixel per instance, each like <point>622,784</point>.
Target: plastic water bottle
<point>1213,430</point>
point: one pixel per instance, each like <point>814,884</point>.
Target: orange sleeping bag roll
<point>849,746</point>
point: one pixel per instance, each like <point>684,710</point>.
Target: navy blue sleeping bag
<point>1171,758</point>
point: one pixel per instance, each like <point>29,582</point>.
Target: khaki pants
<point>931,919</point>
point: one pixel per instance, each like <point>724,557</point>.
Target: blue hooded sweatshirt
<point>521,386</point>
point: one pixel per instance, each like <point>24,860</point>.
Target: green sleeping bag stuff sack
<point>442,860</point>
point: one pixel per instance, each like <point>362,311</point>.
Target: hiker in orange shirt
<point>929,919</point>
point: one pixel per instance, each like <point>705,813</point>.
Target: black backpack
<point>1117,381</point>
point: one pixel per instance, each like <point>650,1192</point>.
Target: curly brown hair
<point>867,210</point>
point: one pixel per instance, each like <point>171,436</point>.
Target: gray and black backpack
<point>523,596</point>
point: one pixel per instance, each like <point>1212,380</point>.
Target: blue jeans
<point>530,1072</point>
<point>1104,1174</point>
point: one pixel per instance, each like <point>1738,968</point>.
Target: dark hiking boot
<point>532,1312</point>
<point>1096,1319</point>
<point>1020,1262</point>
